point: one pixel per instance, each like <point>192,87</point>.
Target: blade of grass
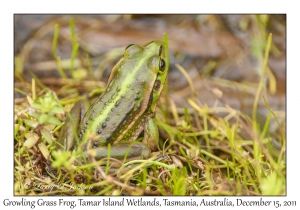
<point>75,45</point>
<point>262,79</point>
<point>256,145</point>
<point>73,55</point>
<point>55,40</point>
<point>60,68</point>
<point>33,90</point>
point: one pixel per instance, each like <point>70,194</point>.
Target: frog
<point>125,109</point>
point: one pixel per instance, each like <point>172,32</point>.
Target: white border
<point>152,6</point>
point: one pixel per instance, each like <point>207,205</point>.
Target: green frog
<point>125,108</point>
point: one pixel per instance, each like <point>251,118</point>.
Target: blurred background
<point>222,54</point>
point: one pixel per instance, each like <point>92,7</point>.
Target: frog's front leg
<point>129,150</point>
<point>68,132</point>
<point>151,136</point>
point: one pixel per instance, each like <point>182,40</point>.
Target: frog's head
<point>142,72</point>
<point>159,64</point>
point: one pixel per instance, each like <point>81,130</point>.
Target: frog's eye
<point>162,65</point>
<point>133,51</point>
<point>154,63</point>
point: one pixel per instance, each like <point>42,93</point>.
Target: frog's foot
<point>121,151</point>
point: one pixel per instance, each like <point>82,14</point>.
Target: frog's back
<point>125,100</point>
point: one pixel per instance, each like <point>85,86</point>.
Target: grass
<point>204,154</point>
